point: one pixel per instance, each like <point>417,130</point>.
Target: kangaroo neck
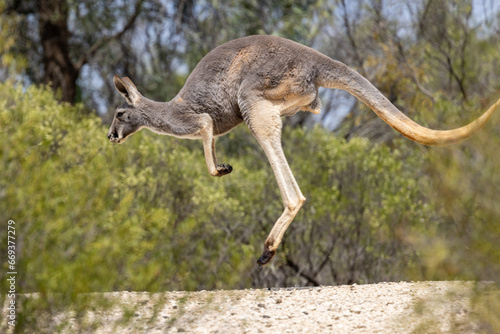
<point>170,118</point>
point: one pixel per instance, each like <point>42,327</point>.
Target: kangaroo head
<point>129,117</point>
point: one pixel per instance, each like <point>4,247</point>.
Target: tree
<point>157,42</point>
<point>414,52</point>
<point>64,47</point>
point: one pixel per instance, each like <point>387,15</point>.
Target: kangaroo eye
<point>120,114</point>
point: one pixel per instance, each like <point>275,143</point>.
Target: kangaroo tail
<point>337,75</point>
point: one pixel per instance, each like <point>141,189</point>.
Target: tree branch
<point>325,260</point>
<point>296,268</point>
<point>409,69</point>
<point>100,43</point>
<point>19,7</point>
<point>352,41</point>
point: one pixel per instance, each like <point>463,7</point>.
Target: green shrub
<point>364,201</point>
<point>92,216</point>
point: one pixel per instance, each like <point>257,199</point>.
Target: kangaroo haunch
<point>256,80</point>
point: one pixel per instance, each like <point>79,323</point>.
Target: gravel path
<point>403,307</point>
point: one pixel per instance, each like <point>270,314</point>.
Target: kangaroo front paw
<point>223,169</point>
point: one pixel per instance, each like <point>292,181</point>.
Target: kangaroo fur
<point>256,80</point>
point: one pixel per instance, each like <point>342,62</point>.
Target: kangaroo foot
<point>266,256</point>
<point>224,169</point>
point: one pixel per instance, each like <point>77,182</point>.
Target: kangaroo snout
<point>113,136</point>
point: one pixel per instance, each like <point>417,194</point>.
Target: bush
<point>364,201</point>
<point>92,216</point>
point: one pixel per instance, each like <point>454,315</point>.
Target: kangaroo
<point>256,80</point>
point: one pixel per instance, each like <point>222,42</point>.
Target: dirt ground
<point>420,307</point>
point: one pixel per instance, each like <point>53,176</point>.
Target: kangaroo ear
<point>127,88</point>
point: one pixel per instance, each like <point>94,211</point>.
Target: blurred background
<point>146,216</point>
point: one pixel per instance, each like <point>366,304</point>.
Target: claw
<point>224,169</point>
<point>266,256</point>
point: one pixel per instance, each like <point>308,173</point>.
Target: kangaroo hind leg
<point>265,123</point>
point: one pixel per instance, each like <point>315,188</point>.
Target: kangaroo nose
<point>112,135</point>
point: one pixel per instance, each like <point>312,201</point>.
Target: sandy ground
<point>421,307</point>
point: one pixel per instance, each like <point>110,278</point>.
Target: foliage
<point>145,215</point>
<point>77,46</point>
<point>363,202</point>
<point>12,62</point>
<point>464,243</point>
<point>465,179</point>
<point>417,53</point>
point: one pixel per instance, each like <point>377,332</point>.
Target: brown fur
<point>256,80</point>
